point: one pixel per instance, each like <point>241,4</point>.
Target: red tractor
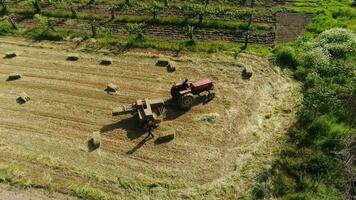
<point>182,93</point>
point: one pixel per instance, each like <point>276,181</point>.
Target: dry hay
<point>11,54</point>
<point>111,88</point>
<point>162,63</point>
<point>13,77</point>
<point>106,61</point>
<point>23,98</point>
<point>169,65</point>
<point>214,154</point>
<point>73,57</point>
<point>247,72</point>
<point>95,141</point>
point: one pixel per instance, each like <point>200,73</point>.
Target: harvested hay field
<point>217,151</point>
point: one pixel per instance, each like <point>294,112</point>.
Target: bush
<point>312,80</point>
<point>285,56</point>
<point>337,42</point>
<point>6,29</point>
<point>316,58</point>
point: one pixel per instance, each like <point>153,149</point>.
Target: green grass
<point>90,193</point>
<point>324,61</point>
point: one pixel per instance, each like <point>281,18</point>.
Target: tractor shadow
<point>173,111</point>
<point>130,125</point>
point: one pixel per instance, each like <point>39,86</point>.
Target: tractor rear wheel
<point>186,101</point>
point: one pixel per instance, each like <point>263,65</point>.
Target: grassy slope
<point>310,166</point>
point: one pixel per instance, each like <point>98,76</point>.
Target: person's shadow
<point>139,145</point>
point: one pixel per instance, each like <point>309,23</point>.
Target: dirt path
<point>218,150</point>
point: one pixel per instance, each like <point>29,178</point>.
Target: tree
<point>200,11</point>
<point>155,9</point>
<point>247,32</point>
<point>91,2</point>
<point>135,29</point>
<point>190,32</point>
<point>12,22</point>
<point>3,6</point>
<point>37,6</point>
<point>73,12</point>
<point>93,29</point>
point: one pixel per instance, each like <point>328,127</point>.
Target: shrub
<point>6,29</point>
<point>285,56</point>
<point>337,42</point>
<point>312,79</point>
<point>316,58</point>
<point>300,73</point>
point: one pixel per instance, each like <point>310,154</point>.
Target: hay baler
<point>148,111</point>
<point>183,93</point>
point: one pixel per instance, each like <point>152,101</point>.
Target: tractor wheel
<point>211,95</point>
<point>186,101</point>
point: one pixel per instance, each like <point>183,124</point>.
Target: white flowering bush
<point>316,58</point>
<point>337,42</point>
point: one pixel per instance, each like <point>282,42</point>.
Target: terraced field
<point>217,21</point>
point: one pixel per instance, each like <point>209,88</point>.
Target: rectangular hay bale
<point>73,57</point>
<point>112,87</point>
<point>162,63</point>
<point>13,77</point>
<point>10,54</point>
<point>23,98</point>
<point>106,61</point>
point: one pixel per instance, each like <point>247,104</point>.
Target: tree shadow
<point>139,145</point>
<point>130,125</point>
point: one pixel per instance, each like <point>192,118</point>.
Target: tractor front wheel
<point>211,95</point>
<point>186,101</point>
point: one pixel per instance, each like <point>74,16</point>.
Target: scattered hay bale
<point>106,61</point>
<point>23,98</point>
<point>73,57</point>
<point>13,77</point>
<point>111,88</point>
<point>95,141</point>
<point>247,72</point>
<point>171,67</point>
<point>162,63</point>
<point>164,139</point>
<point>11,54</point>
